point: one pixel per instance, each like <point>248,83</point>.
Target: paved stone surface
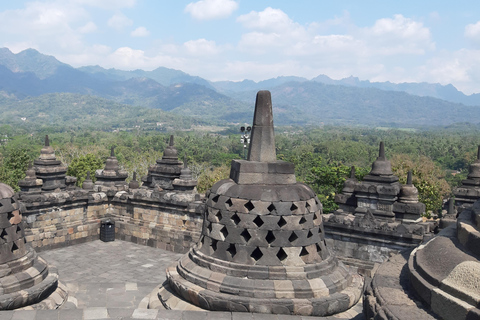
<point>108,280</point>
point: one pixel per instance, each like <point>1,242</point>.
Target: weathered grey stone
<point>259,219</point>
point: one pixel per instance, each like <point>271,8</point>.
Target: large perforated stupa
<point>262,247</point>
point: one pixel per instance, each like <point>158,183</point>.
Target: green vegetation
<point>322,156</point>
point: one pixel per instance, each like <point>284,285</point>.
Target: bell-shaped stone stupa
<point>262,247</point>
<point>25,278</point>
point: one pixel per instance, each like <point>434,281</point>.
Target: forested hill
<point>67,111</point>
<point>31,79</point>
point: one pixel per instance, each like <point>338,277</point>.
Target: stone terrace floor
<point>111,280</point>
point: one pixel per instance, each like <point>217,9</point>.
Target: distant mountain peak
<point>30,60</point>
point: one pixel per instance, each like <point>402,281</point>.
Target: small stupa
<point>262,247</point>
<point>49,169</point>
<point>185,182</point>
<point>408,207</point>
<point>378,190</point>
<point>30,184</point>
<point>112,176</point>
<point>346,200</point>
<point>469,191</point>
<point>166,170</point>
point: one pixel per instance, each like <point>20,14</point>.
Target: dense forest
<point>322,155</point>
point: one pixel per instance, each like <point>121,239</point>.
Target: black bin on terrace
<point>107,230</point>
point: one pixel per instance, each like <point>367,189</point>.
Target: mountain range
<point>30,75</point>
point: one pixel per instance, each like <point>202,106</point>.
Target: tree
<point>82,164</point>
<point>427,178</point>
<point>13,167</point>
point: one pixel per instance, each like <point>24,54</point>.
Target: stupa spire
<point>262,146</point>
<point>409,177</point>
<point>381,151</point>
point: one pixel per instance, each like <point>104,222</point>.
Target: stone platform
<point>112,280</point>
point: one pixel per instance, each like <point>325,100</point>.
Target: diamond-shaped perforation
<point>14,247</point>
<point>236,219</point>
<point>293,237</point>
<point>258,221</point>
<point>3,234</point>
<point>282,255</point>
<point>229,203</point>
<point>318,248</point>
<point>249,206</point>
<point>246,235</point>
<point>232,250</point>
<point>10,215</point>
<point>293,207</point>
<point>214,245</point>
<point>256,254</point>
<point>307,205</point>
<point>224,232</point>
<point>303,252</point>
<point>270,237</point>
<point>302,220</point>
<point>215,199</point>
<point>18,228</point>
<point>281,222</point>
<point>309,234</point>
<point>271,208</point>
<point>315,217</point>
<point>219,216</point>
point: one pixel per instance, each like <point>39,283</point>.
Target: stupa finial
<point>381,152</point>
<point>409,177</point>
<point>262,146</point>
<point>478,153</point>
<point>170,143</point>
<point>352,172</point>
<point>88,175</point>
<point>47,141</point>
<point>112,152</point>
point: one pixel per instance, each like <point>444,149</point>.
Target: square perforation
<point>249,206</point>
<point>258,221</point>
<point>281,222</point>
<point>236,219</point>
<point>246,235</point>
<point>257,254</point>
<point>270,237</point>
<point>282,255</point>
<point>232,250</point>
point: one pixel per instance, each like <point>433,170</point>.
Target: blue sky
<point>397,41</point>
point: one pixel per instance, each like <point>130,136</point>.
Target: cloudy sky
<point>376,40</point>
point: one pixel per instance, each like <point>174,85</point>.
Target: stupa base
<point>178,297</point>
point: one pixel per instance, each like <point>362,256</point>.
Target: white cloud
<point>140,32</point>
<point>472,32</point>
<point>119,21</point>
<point>107,4</point>
<point>89,27</point>
<point>201,47</point>
<point>211,9</point>
<point>268,20</point>
<point>399,35</point>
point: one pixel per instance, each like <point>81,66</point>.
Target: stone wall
<point>365,242</point>
<point>160,223</point>
<point>62,223</point>
<point>157,220</point>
